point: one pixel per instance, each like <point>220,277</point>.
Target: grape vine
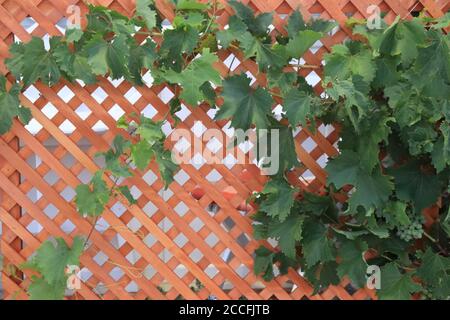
<point>388,90</point>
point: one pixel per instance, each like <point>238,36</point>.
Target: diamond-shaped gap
<point>229,161</point>
<point>32,93</point>
<point>198,129</point>
<point>212,208</point>
<point>66,94</point>
<point>116,273</point>
<point>51,177</point>
<point>29,24</point>
<point>165,194</point>
<point>150,177</point>
<point>326,130</point>
<point>85,274</point>
<point>214,145</point>
<point>246,146</point>
<point>149,272</point>
<point>150,209</point>
<point>232,62</point>
<point>313,78</point>
<point>85,176</point>
<point>49,110</point>
<point>149,111</point>
<point>165,255</point>
<point>99,95</point>
<point>197,161</point>
<point>309,144</point>
<point>211,271</point>
<point>242,271</point>
<point>181,208</point>
<point>212,240</point>
<point>34,194</point>
<point>165,224</point>
<point>183,113</point>
<point>68,193</point>
<point>51,211</point>
<point>148,79</point>
<point>116,112</point>
<point>118,241</point>
<point>180,271</point>
<point>116,82</point>
<point>228,224</point>
<point>132,95</point>
<point>62,24</point>
<point>182,145</point>
<point>100,258</point>
<point>196,224</point>
<point>67,127</point>
<point>243,240</point>
<point>134,224</point>
<point>196,255</point>
<point>34,227</point>
<point>322,160</point>
<point>181,240</point>
<point>181,177</point>
<point>166,95</point>
<point>102,225</point>
<point>67,226</point>
<point>214,176</point>
<point>133,256</point>
<point>149,240</point>
<point>118,209</point>
<point>33,126</point>
<point>83,111</point>
<point>132,287</point>
<point>99,126</point>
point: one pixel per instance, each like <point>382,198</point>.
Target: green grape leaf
<point>191,5</point>
<point>279,199</point>
<point>301,42</point>
<point>194,76</point>
<point>179,40</point>
<point>149,15</point>
<point>166,166</point>
<point>322,275</point>
<point>15,61</point>
<point>150,130</point>
<point>39,289</point>
<point>402,39</point>
<point>263,263</point>
<point>39,64</point>
<point>125,191</point>
<point>244,105</point>
<point>295,24</point>
<point>73,34</point>
<point>104,56</point>
<point>298,107</point>
<point>352,262</point>
<point>51,260</point>
<point>412,184</point>
<point>349,60</point>
<point>257,26</point>
<point>372,189</point>
<point>91,199</point>
<point>9,105</point>
<point>141,154</point>
<point>316,245</point>
<point>288,233</point>
<point>396,285</point>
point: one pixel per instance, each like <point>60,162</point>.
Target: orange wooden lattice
<point>198,231</point>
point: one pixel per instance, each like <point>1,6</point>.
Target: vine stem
<point>90,233</point>
<point>426,234</point>
<point>212,17</point>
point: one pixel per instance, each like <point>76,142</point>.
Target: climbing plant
<point>387,90</point>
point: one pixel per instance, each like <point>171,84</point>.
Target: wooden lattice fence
<point>191,241</point>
